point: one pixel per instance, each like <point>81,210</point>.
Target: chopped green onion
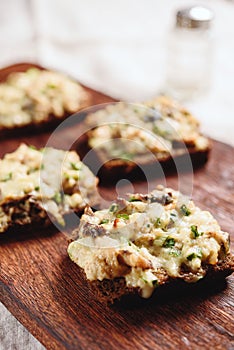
<point>185,211</point>
<point>113,208</point>
<point>194,231</point>
<point>7,178</point>
<point>192,256</point>
<point>174,252</point>
<point>172,218</point>
<point>133,199</point>
<point>123,216</point>
<point>157,222</point>
<point>169,242</point>
<point>143,279</point>
<point>37,188</point>
<point>104,221</point>
<point>74,166</point>
<point>58,197</point>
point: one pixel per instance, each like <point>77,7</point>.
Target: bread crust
<point>138,141</point>
<point>30,193</point>
<point>108,291</point>
<point>116,169</point>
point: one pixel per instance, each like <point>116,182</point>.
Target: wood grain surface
<point>44,290</point>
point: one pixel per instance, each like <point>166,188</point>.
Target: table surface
<point>126,62</point>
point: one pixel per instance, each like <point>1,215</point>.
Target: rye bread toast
<point>37,100</point>
<point>38,184</point>
<point>147,241</point>
<point>126,140</point>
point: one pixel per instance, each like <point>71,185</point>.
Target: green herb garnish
<point>133,199</point>
<point>184,210</point>
<point>157,222</point>
<point>192,256</point>
<point>174,252</point>
<point>7,178</point>
<point>58,197</point>
<point>195,231</point>
<point>123,216</point>
<point>143,279</point>
<point>74,166</point>
<point>104,221</point>
<point>169,242</point>
<point>173,216</point>
<point>37,188</point>
<point>113,208</point>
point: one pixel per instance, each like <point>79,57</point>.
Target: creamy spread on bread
<point>36,95</point>
<point>141,237</point>
<point>56,179</point>
<point>160,126</point>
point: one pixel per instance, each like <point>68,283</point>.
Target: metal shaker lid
<point>195,17</point>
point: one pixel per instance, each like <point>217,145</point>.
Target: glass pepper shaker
<point>190,53</point>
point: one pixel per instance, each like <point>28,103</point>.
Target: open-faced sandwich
<point>147,241</point>
<point>37,183</point>
<point>37,99</point>
<point>125,137</point>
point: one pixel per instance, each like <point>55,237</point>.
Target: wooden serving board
<point>42,288</point>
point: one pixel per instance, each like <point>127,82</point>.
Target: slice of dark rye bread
<point>148,241</point>
<point>124,139</point>
<point>38,186</point>
<point>37,100</point>
<point>110,290</point>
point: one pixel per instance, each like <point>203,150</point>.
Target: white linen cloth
<point>118,47</point>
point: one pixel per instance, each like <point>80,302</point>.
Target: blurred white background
<point>118,47</point>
